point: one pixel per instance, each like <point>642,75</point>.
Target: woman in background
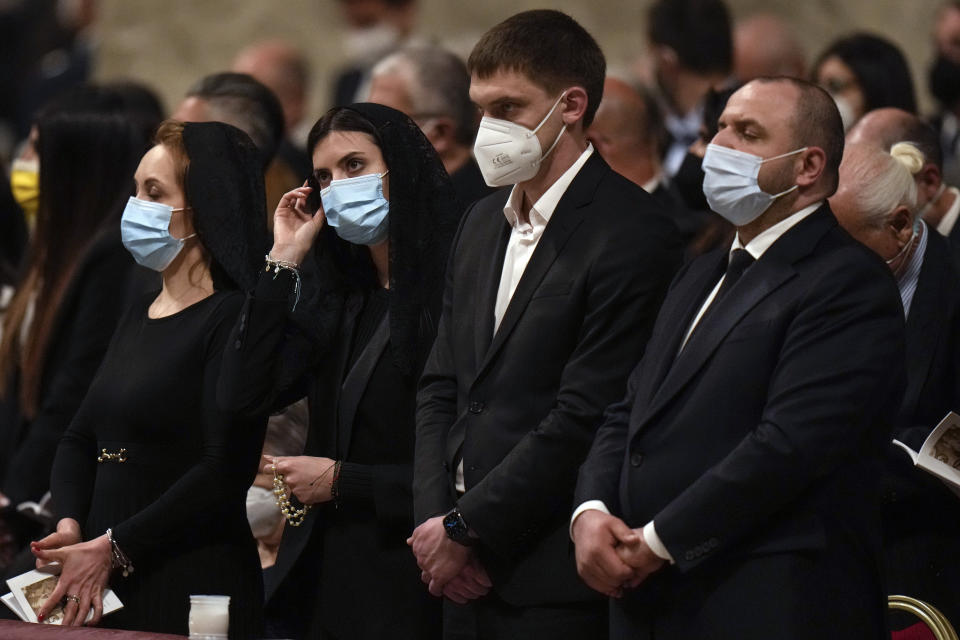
<point>72,292</point>
<point>864,72</point>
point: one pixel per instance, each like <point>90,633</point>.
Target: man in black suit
<point>551,291</point>
<point>732,493</point>
<point>921,517</point>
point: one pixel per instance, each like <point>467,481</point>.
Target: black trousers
<point>490,618</point>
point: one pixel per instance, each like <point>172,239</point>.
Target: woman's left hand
<point>84,576</point>
<point>310,479</point>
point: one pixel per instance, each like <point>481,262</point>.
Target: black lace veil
<point>225,189</point>
<point>423,218</point>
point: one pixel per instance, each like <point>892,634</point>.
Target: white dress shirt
<point>949,219</point>
<point>524,237</point>
<point>756,248</point>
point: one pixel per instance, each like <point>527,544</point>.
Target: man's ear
<point>928,182</point>
<point>813,162</point>
<point>901,222</point>
<point>574,106</point>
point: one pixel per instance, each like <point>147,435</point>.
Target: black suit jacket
<point>954,238</point>
<point>521,407</point>
<point>921,517</point>
<point>755,450</point>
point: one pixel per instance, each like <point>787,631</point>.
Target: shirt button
<point>635,459</point>
<point>476,407</point>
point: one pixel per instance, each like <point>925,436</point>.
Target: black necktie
<point>740,259</point>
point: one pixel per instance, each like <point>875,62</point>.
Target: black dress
<point>347,572</point>
<point>177,504</point>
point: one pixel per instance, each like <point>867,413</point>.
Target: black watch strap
<point>457,529</point>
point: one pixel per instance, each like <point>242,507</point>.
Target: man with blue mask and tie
<point>552,287</point>
<point>732,492</point>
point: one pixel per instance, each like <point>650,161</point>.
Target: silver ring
<point>74,598</point>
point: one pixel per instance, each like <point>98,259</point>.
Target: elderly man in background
<point>764,45</point>
<point>938,203</point>
<point>629,133</point>
<point>431,85</point>
<point>876,203</point>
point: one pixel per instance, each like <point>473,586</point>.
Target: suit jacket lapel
<point>564,221</point>
<point>769,272</point>
<point>679,310</point>
<point>923,328</point>
<point>488,277</point>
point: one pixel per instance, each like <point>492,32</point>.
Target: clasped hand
<point>610,555</point>
<point>84,575</point>
<point>448,569</point>
<point>310,479</point>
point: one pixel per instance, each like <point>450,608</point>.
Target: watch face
<point>452,524</point>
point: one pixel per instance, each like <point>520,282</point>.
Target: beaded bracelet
<point>118,559</point>
<point>283,265</point>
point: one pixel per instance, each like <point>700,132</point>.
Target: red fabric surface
<point>919,631</point>
<point>12,630</point>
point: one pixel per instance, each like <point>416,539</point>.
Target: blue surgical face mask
<point>145,230</point>
<point>356,208</point>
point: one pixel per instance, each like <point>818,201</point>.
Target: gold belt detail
<point>104,456</point>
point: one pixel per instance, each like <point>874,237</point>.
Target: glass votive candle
<point>209,617</point>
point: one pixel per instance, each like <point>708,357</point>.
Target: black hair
<point>548,47</point>
<point>240,100</point>
<point>697,30</point>
<point>355,268</point>
<point>89,149</point>
<point>880,68</point>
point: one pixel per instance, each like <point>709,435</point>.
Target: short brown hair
<point>548,47</point>
<point>170,135</point>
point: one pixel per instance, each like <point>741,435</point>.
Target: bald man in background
<point>283,69</point>
<point>938,203</point>
<point>629,133</point>
<point>764,45</point>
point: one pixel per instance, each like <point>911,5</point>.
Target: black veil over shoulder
<point>423,219</point>
<point>225,190</point>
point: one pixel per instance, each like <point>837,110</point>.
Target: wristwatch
<point>457,529</point>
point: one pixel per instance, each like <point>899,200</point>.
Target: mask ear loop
<point>784,155</point>
<point>192,235</point>
<point>550,113</point>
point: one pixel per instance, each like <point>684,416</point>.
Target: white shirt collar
<point>651,185</point>
<point>949,219</point>
<point>765,239</point>
<point>543,209</point>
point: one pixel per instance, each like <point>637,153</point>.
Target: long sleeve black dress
<point>347,572</point>
<point>176,505</point>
